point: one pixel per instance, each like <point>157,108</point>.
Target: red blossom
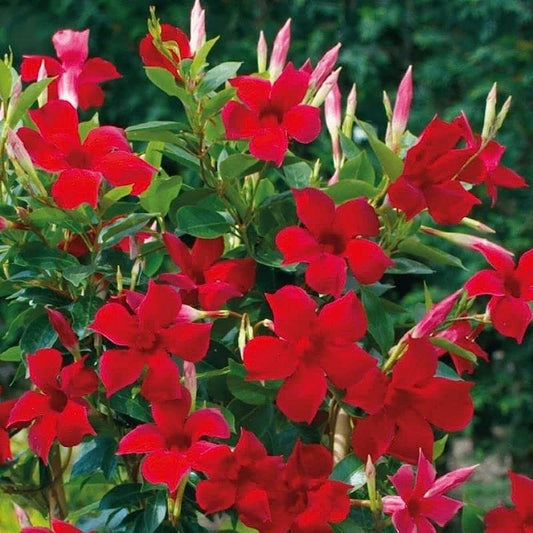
<point>78,77</point>
<point>5,410</point>
<point>422,500</point>
<point>57,527</point>
<point>58,411</point>
<point>148,328</point>
<point>61,326</point>
<point>309,349</point>
<point>429,179</point>
<point>510,288</point>
<point>204,279</point>
<point>518,519</point>
<point>270,114</point>
<point>104,153</point>
<point>172,444</point>
<point>332,236</point>
<point>403,406</point>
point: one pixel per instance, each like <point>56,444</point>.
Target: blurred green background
<point>458,49</point>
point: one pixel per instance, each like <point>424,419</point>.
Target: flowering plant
<point>217,349</point>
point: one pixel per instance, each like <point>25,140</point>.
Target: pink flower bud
<point>324,67</point>
<point>280,51</point>
<point>402,107</point>
<point>306,67</point>
<point>190,381</point>
<point>67,337</point>
<point>197,27</point>
<point>332,111</point>
<point>434,317</point>
<point>41,75</point>
<point>321,94</point>
<point>351,104</point>
<point>16,151</point>
<point>262,53</point>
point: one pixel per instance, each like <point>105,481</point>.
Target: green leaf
<point>85,127</point>
<point>391,163</point>
<point>123,227</point>
<point>451,347</point>
<point>402,265</point>
<point>349,148</point>
<point>78,274</point>
<point>6,81</point>
<point>26,100</point>
<point>444,371</point>
<point>348,526</point>
<point>158,197</point>
<point>472,519</point>
<point>201,222</point>
<point>350,470</point>
<point>380,325</point>
<point>414,247</point>
<point>182,156</point>
<point>358,168</point>
<point>348,189</point>
<point>157,130</point>
<point>124,495</point>
<point>237,165</point>
<point>250,392</point>
<point>162,79</point>
<point>201,56</point>
<point>34,254</point>
<point>12,355</point>
<point>438,447</point>
<point>298,175</point>
<point>217,76</point>
<point>97,454</point>
<point>154,512</point>
<point>114,195</point>
<point>217,102</point>
<point>38,334</point>
<point>136,407</point>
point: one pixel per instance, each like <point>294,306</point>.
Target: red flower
<point>309,349</point>
<point>518,519</point>
<point>149,328</point>
<point>486,168</point>
<point>510,287</point>
<point>59,411</point>
<point>271,113</point>
<point>402,407</point>
<point>241,478</point>
<point>105,153</point>
<point>61,326</point>
<point>57,527</point>
<point>175,42</point>
<point>5,410</point>
<point>429,178</point>
<point>331,235</point>
<point>77,77</point>
<point>422,499</point>
<point>172,443</point>
<point>204,279</point>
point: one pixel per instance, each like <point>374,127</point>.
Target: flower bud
<point>41,75</point>
<point>502,114</point>
<point>402,107</point>
<point>349,118</point>
<point>477,225</point>
<point>330,82</point>
<point>332,112</point>
<point>190,381</point>
<point>280,50</point>
<point>262,53</point>
<point>490,112</point>
<point>197,27</point>
<point>61,326</point>
<point>324,67</point>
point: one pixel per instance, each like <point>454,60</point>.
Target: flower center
<point>270,117</point>
<point>333,243</point>
<point>58,400</point>
<point>78,158</point>
<point>414,507</point>
<point>512,286</point>
<point>146,340</point>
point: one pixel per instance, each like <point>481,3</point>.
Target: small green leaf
<point>136,407</point>
<point>237,165</point>
<point>348,189</point>
<point>158,197</point>
<point>157,130</point>
<point>114,195</point>
<point>201,222</point>
<point>78,274</point>
<point>298,175</point>
<point>97,454</point>
<point>182,156</point>
<point>402,265</point>
<point>217,76</point>
<point>201,56</point>
<point>414,247</point>
<point>125,495</point>
<point>162,79</point>
<point>6,81</point>
<point>85,127</point>
<point>349,148</point>
<point>38,334</point>
<point>12,355</point>
<point>217,102</point>
<point>250,392</point>
<point>358,168</point>
<point>444,371</point>
<point>27,99</point>
<point>451,347</point>
<point>350,470</point>
<point>36,255</point>
<point>123,227</point>
<point>472,519</point>
<point>154,512</point>
<point>380,325</point>
<point>439,446</point>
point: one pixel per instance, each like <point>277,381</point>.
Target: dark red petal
<point>254,92</point>
<point>485,282</point>
<point>289,89</point>
<point>43,153</point>
<point>188,341</point>
<point>213,296</point>
<point>356,218</point>
<point>90,95</point>
<point>311,461</point>
<point>57,122</point>
<point>206,251</point>
<point>5,449</point>
<point>160,306</point>
<point>215,496</point>
<point>123,168</point>
<point>269,358</point>
<point>239,122</point>
<point>143,439</point>
<point>505,177</point>
<point>510,316</point>
<point>41,436</point>
<point>115,323</point>
<point>369,392</point>
<point>170,416</point>
<point>62,327</point>
<point>297,244</point>
<point>503,519</point>
<point>97,70</point>
<point>293,311</point>
<point>179,252</point>
<point>217,462</point>
<point>30,66</point>
<point>100,141</point>
<point>413,433</point>
<point>72,424</point>
<point>208,422</point>
<point>524,275</point>
<point>301,394</point>
<point>343,320</point>
<point>44,367</point>
<point>302,123</point>
<point>29,406</point>
<point>417,365</point>
<point>74,187</point>
<point>162,381</point>
<point>367,260</point>
<point>63,527</point>
<point>253,506</point>
<point>345,364</point>
<point>77,380</point>
<point>372,436</point>
<point>270,144</point>
<point>165,467</point>
<point>327,275</point>
<point>449,203</point>
<point>315,209</point>
<point>120,368</point>
<point>240,273</point>
<point>407,197</point>
<point>522,495</point>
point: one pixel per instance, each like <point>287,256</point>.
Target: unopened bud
<point>502,114</point>
<point>190,381</point>
<point>490,112</point>
<point>387,106</point>
<point>246,333</point>
<point>262,53</point>
<point>62,327</point>
<point>324,67</point>
<point>307,67</point>
<point>349,118</point>
<point>280,49</point>
<point>41,75</point>
<point>477,225</point>
<point>197,27</point>
<point>330,82</point>
<point>370,473</point>
<point>332,112</point>
<point>402,107</point>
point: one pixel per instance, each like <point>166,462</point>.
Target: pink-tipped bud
<point>197,27</point>
<point>330,82</point>
<point>280,49</point>
<point>349,118</point>
<point>402,107</point>
<point>190,381</point>
<point>324,67</point>
<point>490,112</point>
<point>190,314</point>
<point>5,224</point>
<point>477,225</point>
<point>434,317</point>
<point>42,99</point>
<point>262,53</point>
<point>334,179</point>
<point>17,152</point>
<point>61,326</point>
<point>332,112</point>
<point>307,67</point>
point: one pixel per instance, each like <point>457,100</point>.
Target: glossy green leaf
<point>123,227</point>
<point>38,334</point>
<point>158,197</point>
<point>439,446</point>
<point>403,265</point>
<point>346,189</point>
<point>218,75</point>
<point>96,454</point>
<point>12,355</point>
<point>472,519</point>
<point>154,512</point>
<point>27,99</point>
<point>238,165</point>
<point>414,247</point>
<point>200,56</point>
<point>6,81</point>
<point>298,175</point>
<point>125,495</point>
<point>358,168</point>
<point>380,324</point>
<point>350,470</point>
<point>201,222</point>
<point>36,255</point>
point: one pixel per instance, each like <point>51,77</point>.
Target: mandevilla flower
<point>204,279</point>
<point>429,179</point>
<point>518,519</point>
<point>104,153</point>
<point>308,349</point>
<point>57,527</point>
<point>172,443</point>
<point>148,329</point>
<point>5,410</point>
<point>403,406</point>
<point>61,326</point>
<point>77,77</point>
<point>332,236</point>
<point>58,411</point>
<point>271,113</point>
<point>422,499</point>
<point>510,287</point>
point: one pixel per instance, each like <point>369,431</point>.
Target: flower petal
<point>77,380</point>
<point>289,89</point>
<point>208,422</point>
<point>270,144</point>
<point>327,275</point>
<point>212,296</point>
<point>521,494</point>
<point>72,424</point>
<point>356,218</point>
<point>297,244</point>
<point>345,364</point>
<point>215,496</point>
<point>75,186</point>
<point>162,381</point>
<point>367,260</point>
<point>44,368</point>
<point>29,406</point>
<point>120,368</point>
<point>115,323</point>
<point>343,320</point>
<point>239,122</point>
<point>302,123</point>
<point>41,436</point>
<point>407,197</point>
<point>143,439</point>
<point>165,467</point>
<point>42,152</point>
<point>100,141</point>
<point>485,282</point>
<point>269,358</point>
<point>188,341</point>
<point>160,306</point>
<point>449,203</point>
<point>254,92</point>
<point>510,316</point>
<point>372,436</point>
<point>315,209</point>
<point>96,70</point>
<point>205,252</point>
<point>72,47</point>
<point>239,273</point>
